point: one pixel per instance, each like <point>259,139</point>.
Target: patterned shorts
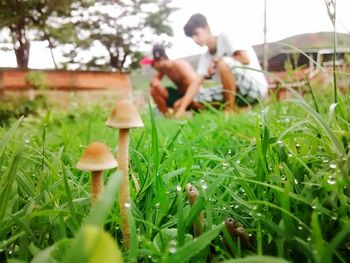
<point>248,89</point>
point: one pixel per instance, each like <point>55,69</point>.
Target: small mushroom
<point>124,116</point>
<point>96,158</point>
<point>192,195</point>
<point>236,231</point>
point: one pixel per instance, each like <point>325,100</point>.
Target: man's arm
<point>241,56</point>
<point>189,95</point>
<point>156,79</point>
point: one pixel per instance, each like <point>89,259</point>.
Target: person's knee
<point>223,67</point>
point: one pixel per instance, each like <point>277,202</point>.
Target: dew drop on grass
<point>331,180</point>
<point>127,205</point>
<point>204,186</point>
<point>157,205</point>
<point>279,142</point>
<point>238,161</point>
<point>333,166</point>
<point>178,188</point>
<point>334,217</point>
<point>308,239</point>
<point>296,181</point>
<point>225,165</point>
<point>300,227</point>
<point>325,161</point>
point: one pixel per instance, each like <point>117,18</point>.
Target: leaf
<point>9,134</point>
<point>257,259</point>
<point>198,244</point>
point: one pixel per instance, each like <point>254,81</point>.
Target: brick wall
<point>15,79</point>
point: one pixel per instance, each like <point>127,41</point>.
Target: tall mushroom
<point>96,158</point>
<point>124,116</point>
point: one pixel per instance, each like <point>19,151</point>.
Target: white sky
<point>244,18</point>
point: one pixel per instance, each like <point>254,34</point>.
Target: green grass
<point>281,171</point>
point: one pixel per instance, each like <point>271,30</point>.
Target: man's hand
<point>177,104</point>
<point>155,82</point>
<point>180,113</point>
<point>213,66</point>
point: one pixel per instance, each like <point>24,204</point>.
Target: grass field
<point>280,171</point>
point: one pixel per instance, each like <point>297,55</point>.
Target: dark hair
<point>158,51</point>
<point>195,21</point>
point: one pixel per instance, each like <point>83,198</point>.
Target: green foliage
<point>14,108</point>
<point>37,79</point>
<point>108,24</point>
<point>22,17</point>
<point>283,173</point>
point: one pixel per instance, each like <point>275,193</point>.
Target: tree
<point>27,20</point>
<point>119,28</point>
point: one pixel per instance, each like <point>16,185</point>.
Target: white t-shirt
<point>226,47</point>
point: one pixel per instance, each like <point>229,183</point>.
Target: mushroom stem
<point>97,185</point>
<point>192,195</point>
<point>124,194</point>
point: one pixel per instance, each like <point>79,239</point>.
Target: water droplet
<point>157,205</point>
<point>325,161</point>
<point>236,206</point>
<point>127,205</point>
<point>178,188</point>
<point>290,154</point>
<point>331,180</point>
<point>308,239</point>
<point>297,145</point>
<point>229,152</point>
<point>296,181</point>
<point>204,186</point>
<point>224,208</point>
<point>279,142</point>
<point>300,227</point>
<point>333,166</point>
<point>254,207</point>
<point>27,141</point>
<point>224,165</point>
<point>334,217</point>
<point>283,178</point>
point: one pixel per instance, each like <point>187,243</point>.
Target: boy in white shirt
<point>236,65</point>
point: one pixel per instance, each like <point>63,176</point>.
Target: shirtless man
<point>179,71</point>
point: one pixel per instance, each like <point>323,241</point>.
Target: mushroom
<point>192,195</point>
<point>236,231</point>
<point>96,158</point>
<point>124,116</point>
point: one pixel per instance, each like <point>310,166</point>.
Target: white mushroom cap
<point>124,116</point>
<point>96,157</point>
